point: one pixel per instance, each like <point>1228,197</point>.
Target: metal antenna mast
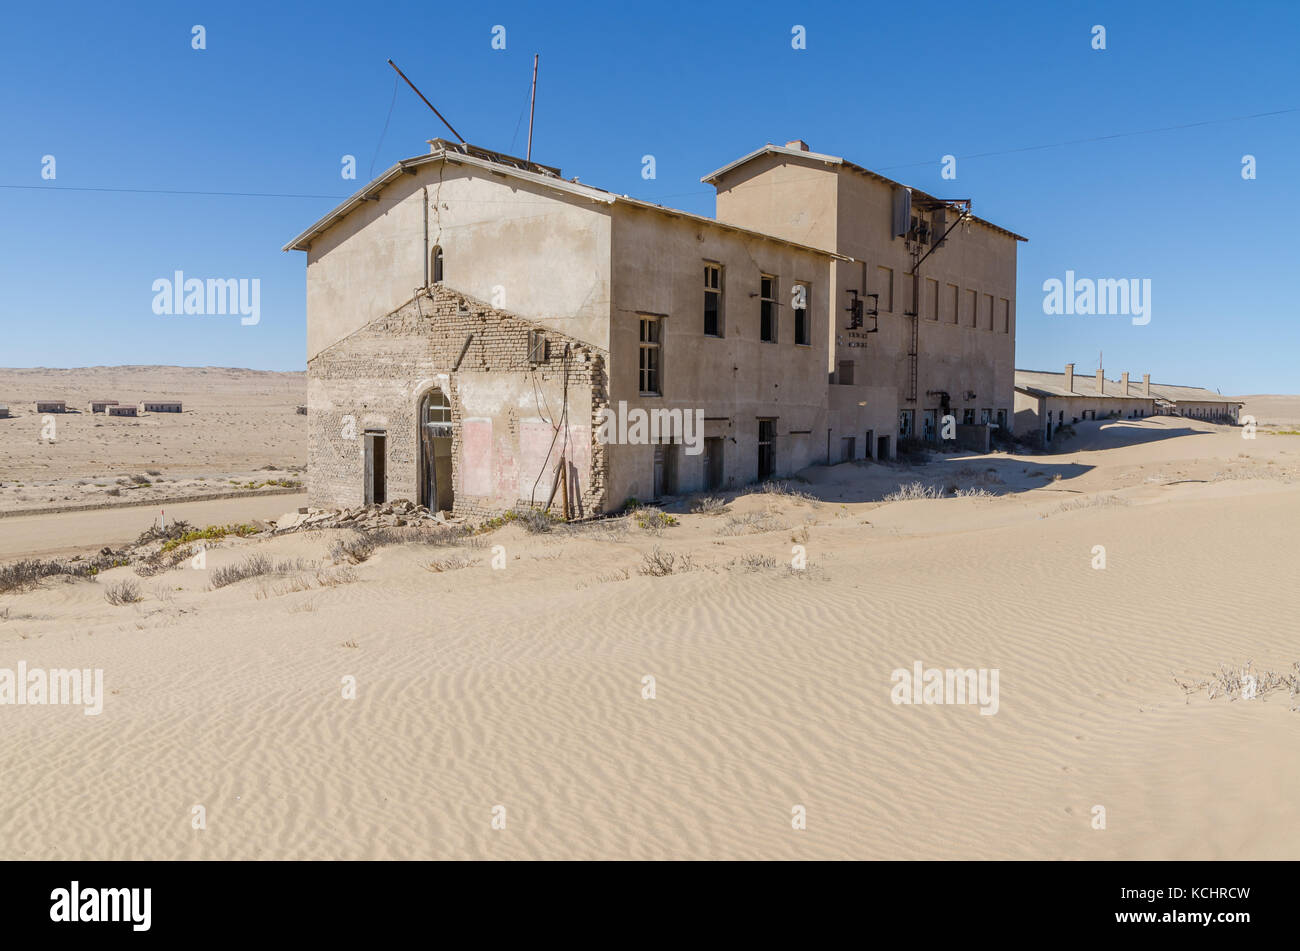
<point>430,105</point>
<point>532,102</point>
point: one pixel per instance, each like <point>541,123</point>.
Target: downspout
<point>426,237</point>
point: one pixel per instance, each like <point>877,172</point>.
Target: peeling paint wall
<point>504,407</point>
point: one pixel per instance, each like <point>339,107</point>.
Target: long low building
<point>1046,401</point>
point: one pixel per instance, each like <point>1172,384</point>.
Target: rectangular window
<point>988,312</point>
<point>972,302</point>
<point>767,309</point>
<point>968,416</point>
<point>713,300</point>
<point>1002,419</point>
<point>1006,317</point>
<point>651,356</point>
<point>905,423</point>
<point>951,303</point>
<point>766,447</point>
<point>932,298</point>
<point>885,278</point>
<point>986,416</point>
<point>845,376</point>
<point>801,298</point>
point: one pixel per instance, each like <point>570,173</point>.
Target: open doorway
<point>376,467</point>
<point>435,452</point>
<point>713,462</point>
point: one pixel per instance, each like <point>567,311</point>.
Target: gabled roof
<point>836,160</point>
<point>547,177</point>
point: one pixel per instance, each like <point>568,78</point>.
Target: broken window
<point>536,347</point>
<point>802,330</point>
<point>650,356</point>
<point>436,268</point>
<point>713,300</point>
<point>767,309</point>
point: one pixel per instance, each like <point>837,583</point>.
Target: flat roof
<point>770,149</point>
<point>474,157</point>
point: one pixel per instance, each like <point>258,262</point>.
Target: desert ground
<point>239,432</point>
<point>501,673</point>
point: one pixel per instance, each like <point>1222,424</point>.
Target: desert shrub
<point>454,563</point>
<point>750,523</point>
<point>123,592</point>
<point>660,563</point>
<point>912,491</point>
<point>653,520</point>
<point>354,550</point>
<point>786,490</point>
<point>256,566</point>
<point>27,574</point>
<point>535,521</point>
<point>709,505</point>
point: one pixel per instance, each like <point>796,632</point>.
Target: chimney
<point>1069,378</point>
<point>1101,382</point>
<point>1146,384</point>
<point>798,144</point>
<point>1123,383</point>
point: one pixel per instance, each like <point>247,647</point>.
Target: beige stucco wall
<point>735,379</point>
<point>522,247</point>
<point>839,209</point>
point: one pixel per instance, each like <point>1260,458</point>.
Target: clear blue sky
<point>282,92</point>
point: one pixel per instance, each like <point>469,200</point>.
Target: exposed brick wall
<point>375,377</point>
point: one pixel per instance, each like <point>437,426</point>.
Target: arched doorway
<point>435,451</point>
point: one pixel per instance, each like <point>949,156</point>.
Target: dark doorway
<point>713,462</point>
<point>435,452</point>
<point>882,449</point>
<point>376,465</point>
<point>848,448</point>
<point>766,447</point>
<point>868,444</point>
<point>665,471</point>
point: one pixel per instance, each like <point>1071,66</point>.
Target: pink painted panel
<point>476,457</point>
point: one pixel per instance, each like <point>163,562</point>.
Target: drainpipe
<point>426,237</point>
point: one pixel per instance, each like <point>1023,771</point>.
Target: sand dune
<point>522,687</point>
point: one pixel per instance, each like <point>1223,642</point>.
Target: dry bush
<point>354,549</point>
<point>660,563</point>
<point>709,505</point>
<point>123,592</point>
<point>913,491</point>
<point>255,566</point>
<point>751,523</point>
<point>454,563</point>
<point>1230,682</point>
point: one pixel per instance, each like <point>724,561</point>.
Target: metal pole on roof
<point>427,102</point>
<point>532,102</point>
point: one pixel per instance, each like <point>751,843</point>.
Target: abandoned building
<point>99,406</point>
<point>1045,401</point>
<point>161,406</point>
<point>128,409</point>
<point>474,318</point>
<point>4,411</point>
<point>924,323</point>
<point>51,406</point>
